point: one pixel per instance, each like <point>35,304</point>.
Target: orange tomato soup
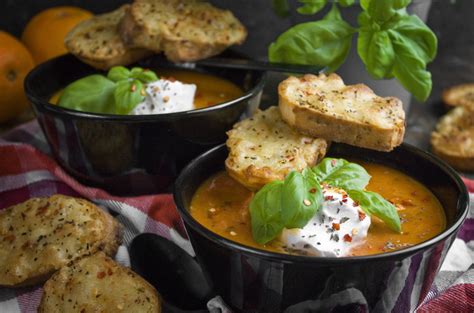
<point>221,205</point>
<point>210,89</point>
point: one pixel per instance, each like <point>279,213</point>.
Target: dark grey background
<point>451,20</point>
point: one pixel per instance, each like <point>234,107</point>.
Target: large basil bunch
<point>390,42</point>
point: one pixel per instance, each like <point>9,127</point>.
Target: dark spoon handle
<point>259,65</point>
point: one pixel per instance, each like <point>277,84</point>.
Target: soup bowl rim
<point>461,214</point>
<point>33,96</point>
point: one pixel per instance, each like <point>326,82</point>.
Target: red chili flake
<point>347,238</point>
<point>9,238</point>
<point>133,88</point>
<point>100,275</point>
<point>327,198</point>
<point>344,200</point>
<point>109,272</point>
<point>355,204</point>
<point>291,158</point>
<point>313,190</point>
<point>361,215</point>
<point>42,209</point>
<point>344,196</point>
<point>336,226</point>
<point>333,162</point>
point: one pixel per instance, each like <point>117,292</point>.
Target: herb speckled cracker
<point>323,106</point>
<point>39,236</point>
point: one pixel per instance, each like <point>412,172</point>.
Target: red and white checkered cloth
<point>26,171</point>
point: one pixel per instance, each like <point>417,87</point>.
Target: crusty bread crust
<point>39,236</point>
<point>323,106</point>
<point>459,95</point>
<point>97,42</point>
<point>185,30</point>
<point>453,139</point>
<point>97,283</point>
<point>263,148</point>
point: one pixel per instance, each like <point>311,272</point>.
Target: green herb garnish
<point>118,93</point>
<point>390,42</point>
<point>293,202</point>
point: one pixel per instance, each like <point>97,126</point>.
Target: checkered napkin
<point>26,171</point>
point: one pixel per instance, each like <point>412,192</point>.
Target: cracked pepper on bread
<point>39,236</point>
<point>97,283</point>
<point>323,106</point>
<point>264,148</point>
<point>453,139</point>
<point>97,42</point>
<point>185,30</point>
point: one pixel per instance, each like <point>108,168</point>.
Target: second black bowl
<point>130,155</point>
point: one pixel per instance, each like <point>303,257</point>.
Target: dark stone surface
<point>452,21</point>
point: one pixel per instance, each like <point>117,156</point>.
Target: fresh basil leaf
<point>409,68</point>
<point>94,93</point>
<point>374,204</point>
<point>311,6</point>
<point>333,14</point>
<point>128,93</point>
<point>346,3</point>
<point>147,76</point>
<point>381,11</point>
<point>416,36</point>
<point>118,73</point>
<point>341,173</point>
<point>265,212</point>
<point>365,4</point>
<point>281,7</point>
<point>301,198</point>
<point>325,43</point>
<point>376,51</point>
<point>400,4</point>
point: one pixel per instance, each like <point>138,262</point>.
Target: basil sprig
<point>118,93</point>
<point>390,42</point>
<point>293,202</point>
<point>284,204</point>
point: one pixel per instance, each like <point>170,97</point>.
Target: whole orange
<point>45,32</point>
<point>15,62</point>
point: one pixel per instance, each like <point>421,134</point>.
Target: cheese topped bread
<point>323,106</point>
<point>460,95</point>
<point>98,284</point>
<point>97,42</point>
<point>453,139</point>
<point>186,30</point>
<point>39,236</point>
<point>264,148</point>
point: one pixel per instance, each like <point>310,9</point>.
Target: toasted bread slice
<point>97,283</point>
<point>459,95</point>
<point>323,106</point>
<point>39,236</point>
<point>97,42</point>
<point>453,139</point>
<point>186,30</point>
<point>264,148</point>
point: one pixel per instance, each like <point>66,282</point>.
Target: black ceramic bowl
<point>132,154</point>
<point>251,280</point>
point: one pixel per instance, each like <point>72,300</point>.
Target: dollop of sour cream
<point>334,230</point>
<point>165,96</point>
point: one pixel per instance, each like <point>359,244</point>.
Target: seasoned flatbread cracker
<point>264,148</point>
<point>98,284</point>
<point>39,236</point>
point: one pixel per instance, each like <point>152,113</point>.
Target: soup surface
<point>221,205</point>
<point>211,89</point>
